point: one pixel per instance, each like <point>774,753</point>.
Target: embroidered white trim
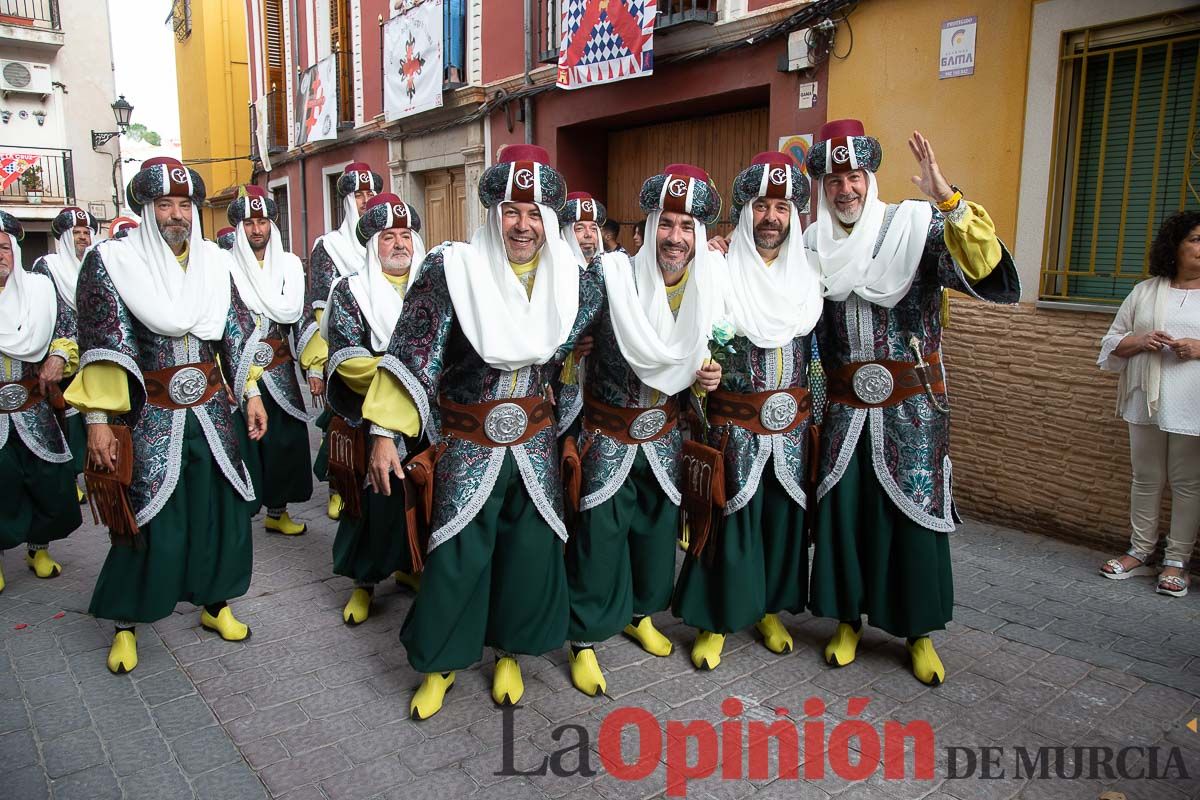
<point>244,488</point>
<point>246,362</point>
<point>4,427</point>
<point>761,455</point>
<point>345,354</point>
<point>281,400</point>
<point>910,509</point>
<point>785,476</point>
<point>854,430</point>
<point>21,423</point>
<point>474,505</point>
<point>567,417</point>
<point>414,387</point>
<point>534,487</point>
<point>174,466</point>
<point>614,483</point>
<point>96,418</point>
<point>309,331</point>
<point>660,470</point>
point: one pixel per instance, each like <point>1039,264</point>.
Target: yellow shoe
<point>80,494</point>
<point>649,637</point>
<point>775,636</point>
<point>926,665</point>
<point>841,648</point>
<point>1,578</point>
<point>706,652</point>
<point>685,538</point>
<point>507,686</point>
<point>358,607</point>
<point>585,672</point>
<point>225,624</point>
<point>408,579</point>
<point>122,656</point>
<point>336,504</point>
<point>43,565</point>
<point>430,694</point>
<point>285,525</point>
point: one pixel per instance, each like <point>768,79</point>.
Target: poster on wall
<point>316,103</point>
<point>958,48</point>
<point>605,41</point>
<point>412,60</point>
<point>796,147</point>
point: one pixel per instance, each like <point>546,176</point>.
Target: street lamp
<point>122,110</point>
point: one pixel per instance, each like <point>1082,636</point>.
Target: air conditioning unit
<point>25,76</point>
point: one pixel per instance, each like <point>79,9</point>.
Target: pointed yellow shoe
<point>1,578</point>
<point>585,672</point>
<point>926,665</point>
<point>507,686</point>
<point>685,538</point>
<point>706,652</point>
<point>358,607</point>
<point>285,525</point>
<point>43,565</point>
<point>122,656</point>
<point>334,509</point>
<point>649,637</point>
<point>842,648</point>
<point>408,579</point>
<point>80,494</point>
<point>430,695</point>
<point>775,636</point>
<point>225,624</point>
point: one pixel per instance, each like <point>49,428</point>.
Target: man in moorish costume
<point>226,237</point>
<point>483,331</point>
<point>270,282</point>
<point>74,229</point>
<point>358,324</point>
<point>157,310</point>
<point>885,511</point>
<point>338,253</point>
<point>582,217</point>
<point>651,344</point>
<point>759,563</point>
<point>37,347</point>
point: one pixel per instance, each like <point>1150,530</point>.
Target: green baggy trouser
<point>369,549</point>
<point>500,582</point>
<point>759,566</point>
<point>621,559</point>
<point>196,549</point>
<point>76,433</point>
<point>869,558</point>
<point>321,462</point>
<point>37,498</point>
<point>278,462</point>
<point>250,457</point>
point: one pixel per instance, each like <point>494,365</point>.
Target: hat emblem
<point>256,204</point>
<point>400,211</point>
<point>362,178</point>
<point>179,174</point>
<point>81,217</point>
<point>841,154</point>
<point>523,178</point>
<point>587,207</point>
<point>677,187</point>
<point>778,175</point>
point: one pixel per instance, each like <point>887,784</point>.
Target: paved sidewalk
<point>1043,652</point>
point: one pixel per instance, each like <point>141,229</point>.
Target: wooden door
<point>445,206</point>
<point>722,144</point>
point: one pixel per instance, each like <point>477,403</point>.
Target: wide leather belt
<point>878,384</point>
<point>19,395</point>
<point>184,386</point>
<point>764,413</point>
<point>270,353</point>
<point>497,423</point>
<point>630,425</point>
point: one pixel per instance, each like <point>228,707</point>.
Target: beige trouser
<point>1157,458</point>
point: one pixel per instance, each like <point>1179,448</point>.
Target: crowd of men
<point>519,428</point>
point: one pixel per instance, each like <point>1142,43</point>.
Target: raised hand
<point>931,182</point>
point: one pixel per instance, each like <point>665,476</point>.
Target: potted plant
<point>31,181</point>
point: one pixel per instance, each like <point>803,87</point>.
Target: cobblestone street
<point>1043,652</point>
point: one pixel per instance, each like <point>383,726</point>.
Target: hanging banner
<point>316,103</point>
<point>13,166</point>
<point>605,41</point>
<point>412,60</point>
<point>262,130</point>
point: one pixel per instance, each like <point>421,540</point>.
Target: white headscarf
<point>508,328</point>
<point>342,244</point>
<point>772,305</point>
<point>276,289</point>
<point>64,266</point>
<point>27,312</point>
<point>663,350</point>
<point>167,299</point>
<point>568,236</point>
<point>846,257</point>
<point>376,296</point>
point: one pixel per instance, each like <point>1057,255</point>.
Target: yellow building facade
<point>214,95</point>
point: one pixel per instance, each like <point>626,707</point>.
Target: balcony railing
<point>54,183</point>
<point>548,22</point>
<point>277,132</point>
<point>31,14</point>
<point>677,12</point>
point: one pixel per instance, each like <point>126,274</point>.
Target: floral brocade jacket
<point>282,381</point>
<point>322,272</point>
<point>108,332</point>
<point>430,356</point>
<point>910,441</point>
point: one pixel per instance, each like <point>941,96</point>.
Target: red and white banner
<point>605,41</point>
<point>13,166</point>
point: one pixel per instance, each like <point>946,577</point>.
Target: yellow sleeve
<point>358,373</point>
<point>316,352</point>
<point>973,243</point>
<point>570,371</point>
<point>253,376</point>
<point>389,405</point>
<point>70,351</point>
<point>100,386</point>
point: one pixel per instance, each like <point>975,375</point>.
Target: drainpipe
<point>527,103</point>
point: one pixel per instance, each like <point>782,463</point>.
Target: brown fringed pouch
<point>418,501</point>
<point>571,464</point>
<point>347,463</point>
<point>108,492</point>
<point>703,473</point>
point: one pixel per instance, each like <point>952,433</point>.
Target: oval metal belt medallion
<point>13,397</point>
<point>187,386</point>
<point>263,354</point>
<point>648,424</point>
<point>505,423</point>
<point>873,383</point>
<point>778,411</point>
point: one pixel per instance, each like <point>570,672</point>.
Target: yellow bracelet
<point>952,203</point>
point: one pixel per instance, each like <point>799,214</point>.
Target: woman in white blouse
<point>1155,344</point>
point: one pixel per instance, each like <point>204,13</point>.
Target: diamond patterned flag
<point>12,166</point>
<point>605,41</point>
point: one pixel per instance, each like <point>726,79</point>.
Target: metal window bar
<point>31,14</point>
<point>677,12</point>
<point>549,34</point>
<point>344,67</point>
<point>277,134</point>
<point>55,184</point>
<point>1138,102</point>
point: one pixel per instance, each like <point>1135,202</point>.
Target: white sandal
<point>1116,571</point>
<point>1173,585</point>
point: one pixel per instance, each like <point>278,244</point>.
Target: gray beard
<point>175,235</point>
<point>848,217</point>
